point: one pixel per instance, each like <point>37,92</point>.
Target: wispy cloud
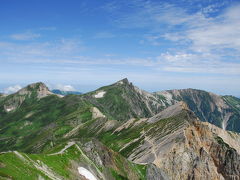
<point>32,51</point>
<point>12,89</point>
<point>25,36</point>
<point>64,87</point>
<point>197,63</point>
<point>204,40</point>
<point>200,43</point>
<point>68,54</point>
<point>166,20</point>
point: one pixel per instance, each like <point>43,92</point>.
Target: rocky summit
<point>119,132</point>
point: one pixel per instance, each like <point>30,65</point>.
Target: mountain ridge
<point>148,134</point>
<point>123,100</point>
<point>208,106</point>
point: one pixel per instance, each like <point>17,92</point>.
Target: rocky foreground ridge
<point>119,132</point>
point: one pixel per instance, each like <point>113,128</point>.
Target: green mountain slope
<point>122,101</point>
<point>64,163</point>
<point>40,120</point>
<point>118,132</point>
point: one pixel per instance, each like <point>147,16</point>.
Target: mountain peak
<point>37,85</point>
<point>123,81</point>
<point>40,88</point>
<point>33,91</point>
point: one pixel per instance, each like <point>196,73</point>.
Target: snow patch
<point>12,89</point>
<point>100,94</point>
<point>86,173</point>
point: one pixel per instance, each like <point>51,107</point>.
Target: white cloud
<point>65,87</point>
<point>206,34</point>
<point>196,63</point>
<point>218,34</point>
<point>62,48</point>
<point>12,89</point>
<point>206,41</point>
<point>201,43</point>
<point>25,36</point>
<point>169,21</point>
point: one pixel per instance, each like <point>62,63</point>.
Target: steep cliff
<point>222,111</point>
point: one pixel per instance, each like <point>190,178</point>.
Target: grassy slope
<point>45,119</point>
<point>45,122</point>
<point>17,168</point>
<point>116,140</point>
<point>234,103</point>
<point>64,166</point>
<point>121,102</point>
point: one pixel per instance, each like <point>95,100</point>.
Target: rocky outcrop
<point>175,144</point>
<point>33,91</point>
<point>193,150</point>
<point>40,90</point>
<point>154,173</point>
<point>96,113</point>
<point>169,112</point>
<point>207,106</point>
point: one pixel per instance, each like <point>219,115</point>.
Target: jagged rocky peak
<point>123,81</point>
<point>126,82</point>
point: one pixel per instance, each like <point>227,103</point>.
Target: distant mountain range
<point>119,132</point>
<point>64,93</point>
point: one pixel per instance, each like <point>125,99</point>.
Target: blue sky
<point>155,44</point>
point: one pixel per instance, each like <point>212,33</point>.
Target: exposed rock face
<point>32,91</point>
<point>207,106</point>
<point>102,156</point>
<point>169,112</point>
<point>96,113</point>
<point>195,150</point>
<point>160,132</point>
<point>154,173</point>
<point>40,88</point>
<point>176,145</point>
